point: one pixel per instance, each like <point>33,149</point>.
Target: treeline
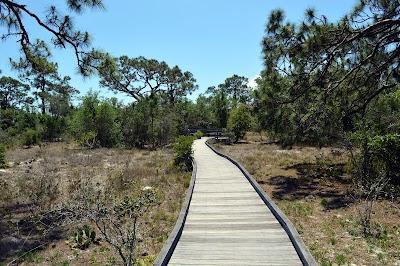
<point>39,105</point>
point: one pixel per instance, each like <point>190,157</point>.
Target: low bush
<point>183,152</point>
<point>376,171</point>
<point>198,134</point>
<point>96,123</point>
<point>379,157</point>
<point>88,139</point>
<point>30,137</point>
<point>53,127</point>
<point>239,122</point>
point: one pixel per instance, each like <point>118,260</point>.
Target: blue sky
<point>213,39</point>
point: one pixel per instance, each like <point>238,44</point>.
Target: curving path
<point>227,222</point>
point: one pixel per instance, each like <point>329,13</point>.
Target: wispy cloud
<point>252,82</point>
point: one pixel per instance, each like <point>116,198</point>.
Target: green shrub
<point>2,156</point>
<point>53,127</point>
<point>88,139</point>
<point>82,238</point>
<point>136,126</point>
<point>96,123</point>
<point>183,152</point>
<point>30,137</point>
<point>379,157</point>
<point>198,134</point>
<point>324,202</point>
<point>239,122</point>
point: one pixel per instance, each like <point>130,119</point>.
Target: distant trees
<point>152,84</point>
<point>237,87</point>
<point>141,77</point>
<point>96,123</point>
<point>12,93</point>
<point>200,114</point>
<point>39,72</point>
<point>226,96</point>
<point>221,107</point>
<point>159,113</point>
<point>53,91</point>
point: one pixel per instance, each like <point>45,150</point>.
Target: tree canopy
<point>141,77</point>
<point>13,16</point>
<point>12,92</point>
<point>332,71</point>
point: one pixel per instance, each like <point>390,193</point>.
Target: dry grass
<point>313,189</point>
<point>63,169</point>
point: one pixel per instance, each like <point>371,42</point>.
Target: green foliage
<point>96,123</point>
<point>237,88</point>
<point>324,202</point>
<point>135,205</point>
<point>30,137</point>
<point>19,127</point>
<point>141,78</point>
<point>183,151</point>
<point>25,120</point>
<point>146,261</point>
<point>201,113</point>
<point>239,122</point>
<point>341,259</point>
<point>82,237</point>
<point>135,129</point>
<point>220,105</point>
<point>198,134</point>
<point>380,157</point>
<point>52,127</point>
<point>3,163</point>
<point>107,125</point>
<point>12,93</point>
<point>323,80</point>
<point>88,139</point>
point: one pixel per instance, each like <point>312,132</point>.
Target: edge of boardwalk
<point>165,254</point>
<point>301,249</point>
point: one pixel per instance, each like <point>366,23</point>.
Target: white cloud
<point>252,82</point>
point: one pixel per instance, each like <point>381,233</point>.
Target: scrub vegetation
<point>86,179</point>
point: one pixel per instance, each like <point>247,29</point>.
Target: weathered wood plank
<point>227,222</point>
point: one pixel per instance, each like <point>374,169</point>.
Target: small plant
<point>198,135</point>
<point>341,259</point>
<point>118,224</point>
<point>300,209</point>
<point>32,257</point>
<point>82,238</point>
<point>183,152</point>
<point>88,139</point>
<point>30,137</point>
<point>324,202</point>
<point>3,163</point>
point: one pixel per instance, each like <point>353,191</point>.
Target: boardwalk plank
<point>227,222</point>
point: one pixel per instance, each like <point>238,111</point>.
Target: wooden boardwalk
<point>227,222</point>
